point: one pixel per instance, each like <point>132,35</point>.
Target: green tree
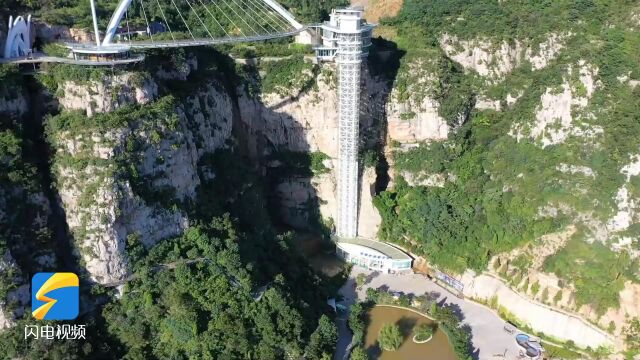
<point>323,339</point>
<point>632,333</point>
<point>390,337</point>
<point>544,297</point>
<point>358,353</point>
<point>557,297</point>
<point>360,280</point>
<point>535,287</point>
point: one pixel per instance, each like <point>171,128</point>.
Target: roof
<point>387,249</point>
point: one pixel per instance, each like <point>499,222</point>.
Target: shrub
<point>390,337</point>
<point>422,332</point>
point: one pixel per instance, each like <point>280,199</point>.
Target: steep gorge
<point>507,154</point>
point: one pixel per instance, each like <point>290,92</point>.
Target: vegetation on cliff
<point>195,297</point>
<point>500,181</point>
<point>231,286</point>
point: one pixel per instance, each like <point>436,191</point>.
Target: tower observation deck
<point>346,38</point>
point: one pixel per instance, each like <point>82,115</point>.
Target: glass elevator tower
<point>345,40</point>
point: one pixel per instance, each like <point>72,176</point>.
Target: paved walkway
<point>489,339</point>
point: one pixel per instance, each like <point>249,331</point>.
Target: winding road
<point>489,339</point>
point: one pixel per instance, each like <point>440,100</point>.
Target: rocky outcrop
<point>408,123</point>
<point>16,106</point>
<point>627,208</point>
<point>559,113</point>
<point>308,122</point>
<point>109,94</point>
<point>50,33</point>
<point>369,218</point>
<point>494,61</point>
<point>424,179</point>
<point>121,182</point>
<point>413,113</point>
<point>303,198</point>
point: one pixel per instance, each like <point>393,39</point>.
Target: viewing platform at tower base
<point>373,255</point>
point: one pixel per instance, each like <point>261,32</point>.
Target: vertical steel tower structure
<point>346,39</point>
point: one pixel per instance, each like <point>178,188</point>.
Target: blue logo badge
<point>55,296</point>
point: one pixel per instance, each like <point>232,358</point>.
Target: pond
<point>437,348</point>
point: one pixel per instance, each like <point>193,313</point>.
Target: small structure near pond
<point>373,255</point>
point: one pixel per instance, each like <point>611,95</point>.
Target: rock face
<point>494,61</point>
<point>412,115</point>
<point>104,205</point>
<point>307,123</point>
<point>369,219</point>
<point>303,198</point>
<point>102,209</point>
<point>558,115</point>
<point>409,123</point>
<point>52,33</point>
<point>109,94</point>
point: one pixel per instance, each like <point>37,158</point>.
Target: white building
<point>373,255</point>
<point>343,23</point>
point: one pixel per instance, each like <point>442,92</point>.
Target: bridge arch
<point>123,6</point>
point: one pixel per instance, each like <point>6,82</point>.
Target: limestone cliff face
<point>494,61</point>
<point>48,32</point>
<point>301,199</point>
<point>560,114</point>
<point>369,219</point>
<point>412,113</point>
<point>309,123</point>
<point>128,176</point>
<point>108,94</point>
<point>306,123</point>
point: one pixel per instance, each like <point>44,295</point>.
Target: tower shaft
<point>348,59</point>
<point>346,39</point>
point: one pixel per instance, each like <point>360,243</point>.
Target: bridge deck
<point>148,44</point>
<point>39,58</point>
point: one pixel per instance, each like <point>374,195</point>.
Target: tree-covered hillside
<point>510,182</point>
<point>229,287</point>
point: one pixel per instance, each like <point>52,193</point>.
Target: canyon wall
<point>118,183</point>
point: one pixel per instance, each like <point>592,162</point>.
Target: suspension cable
<point>165,21</point>
<point>203,25</point>
<point>183,20</point>
<point>144,13</point>
<point>254,19</point>
<point>241,18</point>
<point>277,20</point>
<point>228,18</point>
<point>214,18</point>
